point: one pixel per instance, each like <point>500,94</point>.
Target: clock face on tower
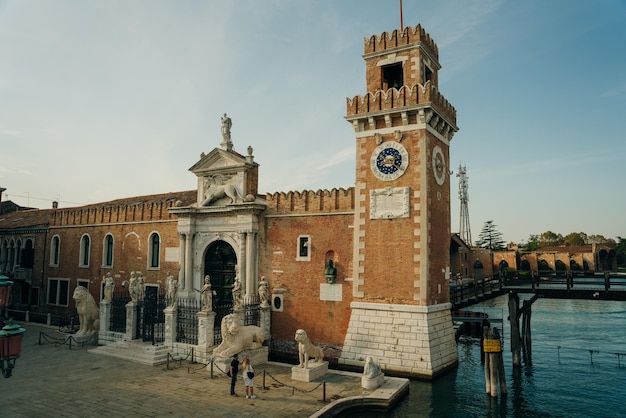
<point>439,165</point>
<point>389,161</point>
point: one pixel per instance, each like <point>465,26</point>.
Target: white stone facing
<point>331,292</point>
<point>407,339</point>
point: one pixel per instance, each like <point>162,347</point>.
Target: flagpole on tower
<point>401,25</point>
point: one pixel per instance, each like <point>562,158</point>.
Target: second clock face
<point>439,165</point>
<point>389,161</point>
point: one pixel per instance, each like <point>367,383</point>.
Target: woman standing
<point>248,378</point>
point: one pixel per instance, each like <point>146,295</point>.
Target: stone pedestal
<point>372,382</point>
<point>266,321</point>
<point>105,315</point>
<point>206,336</point>
<point>132,311</point>
<point>314,371</point>
<point>170,326</point>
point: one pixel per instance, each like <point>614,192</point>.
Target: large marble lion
<point>88,313</point>
<point>236,337</point>
<point>306,349</point>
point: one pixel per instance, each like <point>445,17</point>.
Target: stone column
<point>181,258</point>
<point>242,262</point>
<point>170,326</point>
<point>132,312</point>
<point>188,285</point>
<point>206,335</point>
<point>251,282</point>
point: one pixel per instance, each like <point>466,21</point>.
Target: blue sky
<point>108,99</point>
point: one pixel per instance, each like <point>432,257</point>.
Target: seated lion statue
<point>306,349</point>
<point>88,313</point>
<point>236,337</point>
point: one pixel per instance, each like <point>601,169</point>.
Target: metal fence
<point>252,315</point>
<point>118,311</point>
<point>187,321</point>
<point>221,310</point>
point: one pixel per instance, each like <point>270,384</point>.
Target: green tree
<point>575,238</point>
<point>490,237</point>
<point>533,243</point>
<point>549,239</point>
<point>598,239</point>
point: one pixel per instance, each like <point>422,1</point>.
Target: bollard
<point>211,369</point>
<point>264,387</point>
<point>324,391</point>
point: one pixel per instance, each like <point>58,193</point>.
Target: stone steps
<point>135,351</point>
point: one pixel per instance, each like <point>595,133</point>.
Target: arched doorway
<point>219,263</point>
<point>478,270</point>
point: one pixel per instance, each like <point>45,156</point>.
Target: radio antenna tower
<point>464,226</point>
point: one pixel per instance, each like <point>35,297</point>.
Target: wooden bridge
<point>608,286</point>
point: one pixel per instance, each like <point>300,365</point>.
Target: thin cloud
<point>615,92</point>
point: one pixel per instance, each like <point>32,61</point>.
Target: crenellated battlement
<point>398,38</point>
<point>403,97</point>
<point>310,202</point>
<point>139,209</point>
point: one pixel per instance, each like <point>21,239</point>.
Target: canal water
<point>575,371</point>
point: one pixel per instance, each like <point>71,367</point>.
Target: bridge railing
<point>568,281</point>
<point>470,289</point>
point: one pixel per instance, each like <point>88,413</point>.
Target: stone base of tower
<point>405,340</point>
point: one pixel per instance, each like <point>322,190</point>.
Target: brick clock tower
<point>400,314</point>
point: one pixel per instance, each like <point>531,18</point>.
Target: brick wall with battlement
<point>130,221</point>
<point>308,201</point>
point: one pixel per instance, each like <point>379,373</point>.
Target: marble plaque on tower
<point>389,203</point>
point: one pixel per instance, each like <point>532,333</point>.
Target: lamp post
<point>11,334</point>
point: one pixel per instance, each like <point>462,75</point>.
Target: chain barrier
<point>69,340</point>
<point>212,364</point>
<point>293,388</point>
<point>172,359</point>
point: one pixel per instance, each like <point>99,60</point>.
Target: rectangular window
<point>304,248</point>
<point>83,282</point>
<point>28,256</point>
<point>34,296</point>
<point>58,292</point>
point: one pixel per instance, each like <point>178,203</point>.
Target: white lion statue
<point>217,187</point>
<point>306,349</point>
<point>88,313</point>
<point>236,337</point>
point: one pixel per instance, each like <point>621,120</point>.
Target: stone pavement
<point>50,380</point>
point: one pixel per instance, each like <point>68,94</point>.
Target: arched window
<point>107,257</point>
<point>55,250</point>
<point>155,246</point>
<point>84,251</point>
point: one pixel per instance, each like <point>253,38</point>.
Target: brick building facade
<point>388,237</point>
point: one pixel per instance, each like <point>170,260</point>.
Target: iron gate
<point>151,327</point>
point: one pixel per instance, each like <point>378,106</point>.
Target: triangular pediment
<point>218,160</point>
